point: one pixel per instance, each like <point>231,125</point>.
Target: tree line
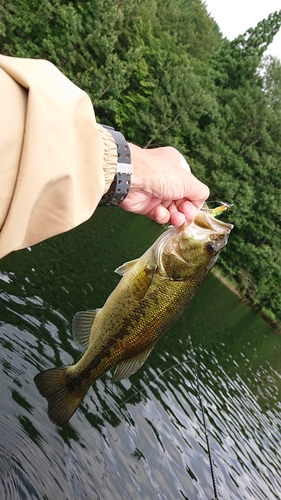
<point>161,72</point>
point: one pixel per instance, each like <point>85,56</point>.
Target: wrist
<point>142,172</point>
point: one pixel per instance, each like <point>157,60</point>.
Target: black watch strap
<point>120,186</point>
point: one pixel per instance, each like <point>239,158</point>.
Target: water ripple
<point>142,438</point>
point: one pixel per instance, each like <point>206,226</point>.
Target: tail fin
<point>61,402</point>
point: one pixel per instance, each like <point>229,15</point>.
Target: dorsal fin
<point>129,366</point>
<point>82,326</point>
<point>125,267</point>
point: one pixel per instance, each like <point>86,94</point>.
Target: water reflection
<point>141,438</point>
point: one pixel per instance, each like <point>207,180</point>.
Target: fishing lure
<point>215,212</point>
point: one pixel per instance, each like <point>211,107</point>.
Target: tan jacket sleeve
<point>56,162</point>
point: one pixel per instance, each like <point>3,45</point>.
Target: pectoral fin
<point>129,366</point>
<point>82,326</point>
<point>142,282</point>
<point>125,267</point>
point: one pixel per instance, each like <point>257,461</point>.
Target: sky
<point>234,17</point>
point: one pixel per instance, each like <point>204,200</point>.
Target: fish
<point>153,292</point>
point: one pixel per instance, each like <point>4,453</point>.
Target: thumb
<point>195,191</point>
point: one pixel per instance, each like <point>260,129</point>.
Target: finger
<point>177,218</point>
<point>187,208</point>
<point>160,214</point>
<point>168,211</point>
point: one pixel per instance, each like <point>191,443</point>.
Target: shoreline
<point>233,288</point>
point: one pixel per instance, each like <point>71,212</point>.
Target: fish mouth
<point>207,221</point>
<point>204,225</point>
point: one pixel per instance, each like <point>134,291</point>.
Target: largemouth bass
<point>153,292</point>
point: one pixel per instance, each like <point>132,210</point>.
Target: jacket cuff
<point>109,156</point>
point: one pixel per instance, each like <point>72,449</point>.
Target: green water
<point>141,438</point>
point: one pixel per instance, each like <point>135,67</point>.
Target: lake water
<point>141,438</point>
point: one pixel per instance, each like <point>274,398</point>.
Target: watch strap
<point>120,185</point>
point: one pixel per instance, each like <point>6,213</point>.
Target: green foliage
<point>250,147</point>
<point>78,37</point>
<point>237,61</point>
<point>161,72</point>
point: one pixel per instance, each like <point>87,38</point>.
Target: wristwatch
<point>120,185</point>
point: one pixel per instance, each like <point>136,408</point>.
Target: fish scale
<point>153,292</point>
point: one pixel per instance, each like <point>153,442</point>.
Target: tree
<point>245,162</point>
<point>161,72</point>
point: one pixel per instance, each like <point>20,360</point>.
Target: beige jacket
<point>56,162</point>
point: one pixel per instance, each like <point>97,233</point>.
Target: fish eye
<point>211,248</point>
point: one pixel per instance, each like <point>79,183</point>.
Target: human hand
<point>162,186</point>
